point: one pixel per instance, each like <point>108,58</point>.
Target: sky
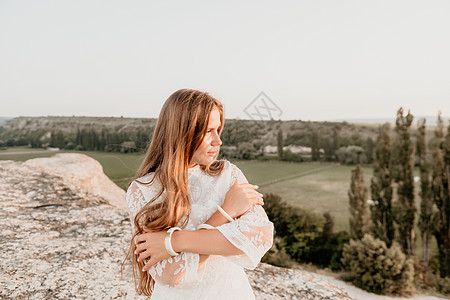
<point>312,60</point>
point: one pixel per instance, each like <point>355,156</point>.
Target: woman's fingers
<point>250,186</point>
<point>140,245</point>
<point>254,193</point>
<point>140,238</point>
<point>150,263</point>
<point>140,248</point>
<point>143,255</point>
<point>244,185</point>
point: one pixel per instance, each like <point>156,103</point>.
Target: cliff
<point>64,234</point>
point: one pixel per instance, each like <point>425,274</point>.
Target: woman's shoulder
<point>235,172</point>
<point>141,190</point>
<point>147,182</point>
<point>147,178</point>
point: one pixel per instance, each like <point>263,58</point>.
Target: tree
<point>280,144</point>
<point>351,155</point>
<point>381,188</point>
<point>336,141</point>
<point>357,195</point>
<point>441,195</point>
<point>60,141</point>
<point>327,145</point>
<point>315,148</point>
<point>369,148</point>
<point>403,164</point>
<point>245,150</point>
<point>78,140</point>
<point>57,139</point>
<point>426,203</point>
<point>142,138</point>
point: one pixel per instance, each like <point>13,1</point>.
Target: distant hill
<point>4,119</point>
<point>70,124</point>
<point>256,134</point>
<point>430,120</point>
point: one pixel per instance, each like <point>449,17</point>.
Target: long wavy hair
<point>180,130</point>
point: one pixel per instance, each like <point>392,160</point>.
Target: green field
<point>321,191</point>
<point>319,187</point>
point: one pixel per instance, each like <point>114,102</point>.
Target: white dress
<point>219,277</point>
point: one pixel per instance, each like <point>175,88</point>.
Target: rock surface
<point>59,241</point>
<point>82,173</point>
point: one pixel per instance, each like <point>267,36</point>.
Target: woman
<point>197,221</point>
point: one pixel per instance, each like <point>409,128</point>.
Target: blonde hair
<point>180,130</point>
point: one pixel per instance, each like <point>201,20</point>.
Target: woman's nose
<point>216,140</point>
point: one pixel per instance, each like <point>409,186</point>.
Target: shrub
<point>289,156</point>
<point>70,146</point>
<point>443,285</point>
<point>351,155</point>
<point>378,269</point>
<point>296,227</point>
<point>303,235</point>
<point>245,150</point>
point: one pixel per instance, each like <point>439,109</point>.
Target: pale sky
<point>317,60</point>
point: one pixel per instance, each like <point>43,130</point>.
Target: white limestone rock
<point>59,243</point>
<point>83,172</point>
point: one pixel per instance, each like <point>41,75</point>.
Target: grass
<point>321,191</point>
<point>265,173</point>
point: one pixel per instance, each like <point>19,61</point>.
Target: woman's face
<point>209,148</point>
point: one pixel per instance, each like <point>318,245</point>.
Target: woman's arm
<point>238,200</point>
<point>244,241</point>
<point>210,242</point>
<point>203,242</point>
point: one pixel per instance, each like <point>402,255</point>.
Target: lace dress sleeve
<point>252,233</point>
<point>180,269</point>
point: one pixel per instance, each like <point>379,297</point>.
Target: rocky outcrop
<point>82,173</point>
<point>60,241</point>
<point>271,282</point>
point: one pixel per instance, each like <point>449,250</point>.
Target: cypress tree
<point>426,203</point>
<point>403,165</point>
<point>381,188</point>
<point>53,139</point>
<point>280,144</point>
<point>441,195</point>
<point>102,139</point>
<point>315,148</point>
<point>357,195</point>
<point>369,148</point>
<point>78,139</point>
<point>60,141</point>
<point>445,229</point>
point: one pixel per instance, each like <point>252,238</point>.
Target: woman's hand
<point>240,198</point>
<point>150,248</point>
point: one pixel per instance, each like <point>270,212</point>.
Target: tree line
<point>85,139</point>
<point>242,139</point>
<point>392,223</point>
<point>379,253</point>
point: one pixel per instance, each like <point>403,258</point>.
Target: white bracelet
<point>168,241</point>
<point>205,226</point>
<point>224,213</point>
